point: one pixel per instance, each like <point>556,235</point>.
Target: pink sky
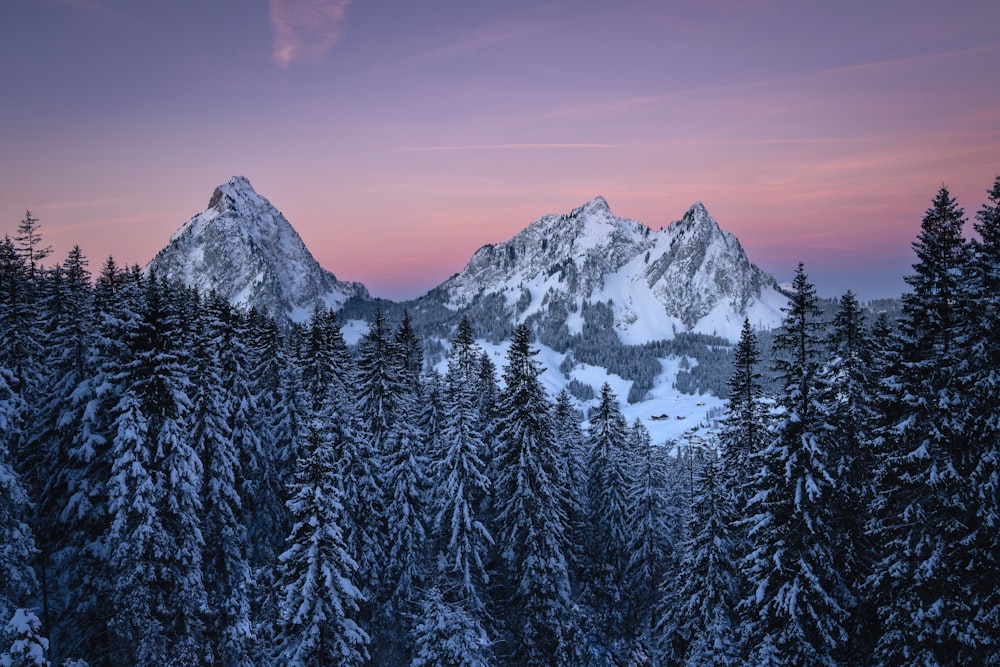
<point>398,137</point>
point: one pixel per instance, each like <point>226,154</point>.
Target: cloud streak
<point>509,147</point>
<point>626,104</point>
<point>485,37</point>
<point>305,30</point>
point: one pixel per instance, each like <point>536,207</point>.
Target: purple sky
<point>399,136</point>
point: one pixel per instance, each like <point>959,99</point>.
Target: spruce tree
<point>86,426</point>
<point>571,455</point>
<point>317,623</point>
<point>461,489</point>
<point>29,238</point>
<point>447,634</point>
<point>17,545</point>
<point>983,342</point>
<point>848,393</point>
<point>707,618</point>
<point>924,509</point>
<point>154,540</point>
<point>609,480</point>
<point>21,641</point>
<point>646,546</point>
<point>66,331</point>
<point>219,412</point>
<point>380,381</point>
<point>531,520</point>
<point>795,614</point>
<point>406,513</point>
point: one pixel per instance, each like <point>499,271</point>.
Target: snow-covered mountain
<point>690,276</point>
<point>243,248</point>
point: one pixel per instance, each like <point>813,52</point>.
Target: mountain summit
<point>243,248</point>
<point>689,276</point>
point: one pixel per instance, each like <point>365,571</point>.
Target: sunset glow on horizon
<point>398,138</point>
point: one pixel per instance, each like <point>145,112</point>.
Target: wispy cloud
<point>625,104</point>
<point>511,147</point>
<point>86,203</point>
<point>95,7</point>
<point>305,30</point>
<point>493,34</point>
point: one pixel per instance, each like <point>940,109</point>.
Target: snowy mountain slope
<point>668,414</point>
<point>243,248</point>
<point>691,276</point>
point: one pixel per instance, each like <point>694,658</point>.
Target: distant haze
<point>398,137</point>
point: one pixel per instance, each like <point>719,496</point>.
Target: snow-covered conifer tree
<point>848,393</point>
<point>924,513</point>
<point>531,519</point>
<point>17,544</point>
<point>571,456</point>
<point>447,634</point>
<point>983,343</point>
<point>706,619</point>
<point>220,412</point>
<point>796,610</point>
<point>155,540</point>
<point>461,488</point>
<point>380,383</point>
<point>406,513</point>
<point>609,481</point>
<point>317,622</point>
<point>647,548</point>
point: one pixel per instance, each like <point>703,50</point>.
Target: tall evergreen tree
<point>488,393</point>
<point>448,635</point>
<point>17,545</point>
<point>29,239</point>
<point>219,412</point>
<point>796,612</point>
<point>406,513</point>
<point>461,488</point>
<point>263,495</point>
<point>411,354</point>
<point>745,424</point>
<point>155,539</point>
<point>707,619</point>
<point>380,382</point>
<point>609,480</point>
<point>571,455</point>
<point>925,506</point>
<point>646,547</point>
<point>86,426</point>
<point>848,392</point>
<point>67,333</point>
<point>982,324</point>
<point>317,622</point>
<point>18,342</point>
<point>531,520</point>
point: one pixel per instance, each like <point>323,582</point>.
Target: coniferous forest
<point>183,483</point>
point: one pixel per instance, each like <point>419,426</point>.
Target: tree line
<point>184,483</point>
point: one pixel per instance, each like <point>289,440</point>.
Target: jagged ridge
<point>690,276</point>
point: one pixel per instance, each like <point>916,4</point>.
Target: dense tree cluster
<point>181,483</point>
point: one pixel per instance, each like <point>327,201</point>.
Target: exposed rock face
<point>244,249</point>
<point>690,276</point>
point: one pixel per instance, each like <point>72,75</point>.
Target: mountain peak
<point>691,276</point>
<point>236,194</point>
<point>697,210</point>
<point>244,249</point>
<point>596,205</point>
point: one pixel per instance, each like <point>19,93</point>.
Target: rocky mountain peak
<point>596,206</point>
<point>689,276</point>
<point>243,248</point>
